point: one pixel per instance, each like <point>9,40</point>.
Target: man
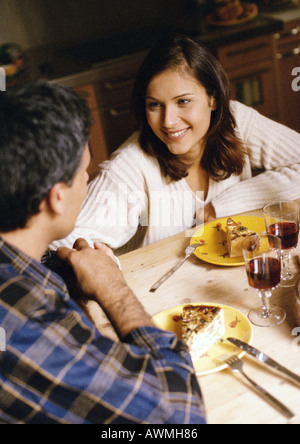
<point>57,368</point>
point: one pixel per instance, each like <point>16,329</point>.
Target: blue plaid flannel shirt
<point>57,367</point>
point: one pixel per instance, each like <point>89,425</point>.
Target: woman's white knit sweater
<point>131,204</point>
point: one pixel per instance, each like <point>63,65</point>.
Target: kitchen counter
<point>213,38</point>
<point>286,16</point>
<point>52,62</point>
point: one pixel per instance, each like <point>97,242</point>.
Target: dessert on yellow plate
<point>236,234</point>
<point>202,327</point>
<point>213,240</point>
<point>237,325</point>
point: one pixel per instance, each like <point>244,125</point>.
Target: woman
<point>195,150</point>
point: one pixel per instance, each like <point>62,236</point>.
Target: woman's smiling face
<point>179,111</point>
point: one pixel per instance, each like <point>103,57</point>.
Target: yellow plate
<point>213,236</point>
<point>236,325</point>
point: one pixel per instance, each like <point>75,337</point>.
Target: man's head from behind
<point>44,130</point>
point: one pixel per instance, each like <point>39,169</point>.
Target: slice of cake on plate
<point>202,327</point>
<point>236,234</point>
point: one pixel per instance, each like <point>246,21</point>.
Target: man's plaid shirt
<point>57,368</point>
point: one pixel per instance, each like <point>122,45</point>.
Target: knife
<point>263,358</point>
<point>188,252</point>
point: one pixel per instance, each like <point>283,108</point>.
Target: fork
<point>188,252</point>
<point>237,366</point>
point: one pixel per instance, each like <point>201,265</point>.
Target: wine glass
<point>262,253</point>
<point>282,220</point>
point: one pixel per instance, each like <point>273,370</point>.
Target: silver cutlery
<point>188,252</point>
<point>237,365</point>
<point>263,358</point>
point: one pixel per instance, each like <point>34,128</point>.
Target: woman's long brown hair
<point>224,154</point>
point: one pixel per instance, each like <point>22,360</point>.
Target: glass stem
<point>285,269</point>
<point>266,308</point>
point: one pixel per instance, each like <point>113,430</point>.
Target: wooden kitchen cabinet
<point>114,89</point>
<point>108,87</point>
<point>97,140</point>
<point>287,57</point>
<point>250,67</point>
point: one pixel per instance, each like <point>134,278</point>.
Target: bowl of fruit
<point>232,12</point>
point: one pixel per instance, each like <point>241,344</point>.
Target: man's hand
<point>94,269</point>
<point>99,277</point>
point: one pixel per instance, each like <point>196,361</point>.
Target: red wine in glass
<point>264,273</point>
<point>282,220</point>
<point>262,254</point>
<point>288,232</point>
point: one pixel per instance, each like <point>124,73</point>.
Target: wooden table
<point>228,397</point>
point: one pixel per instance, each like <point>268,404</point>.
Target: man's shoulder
<point>24,293</point>
<point>13,287</point>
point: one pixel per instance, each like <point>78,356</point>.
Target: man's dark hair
<point>44,129</point>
